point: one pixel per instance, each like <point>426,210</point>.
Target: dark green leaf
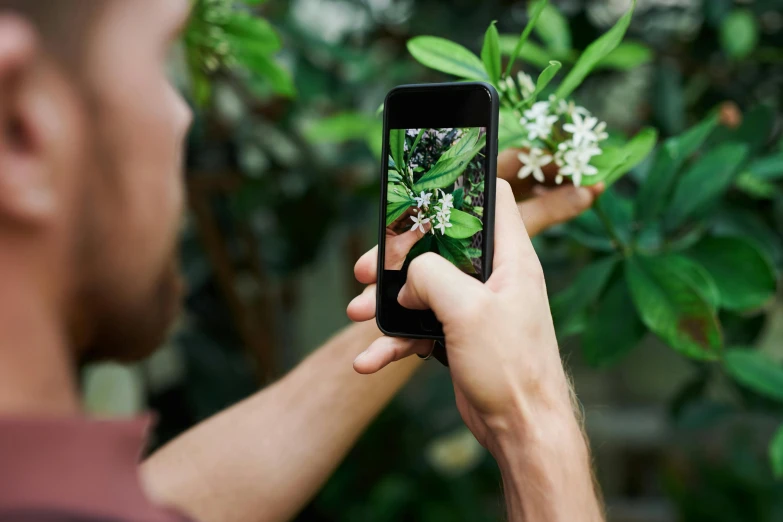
<point>617,161</point>
<point>538,8</point>
<point>397,148</point>
<point>744,277</point>
<point>594,53</point>
<point>459,196</point>
<point>697,275</point>
<point>672,308</point>
<point>776,453</point>
<point>416,142</point>
<point>450,165</point>
<point>394,210</point>
<point>446,56</point>
<point>614,329</point>
<point>739,33</point>
<point>490,54</point>
<point>463,225</point>
<point>531,53</point>
<point>707,179</point>
<point>755,186</point>
<point>657,187</point>
<point>668,98</point>
<point>768,168</point>
<point>584,290</point>
<point>756,371</point>
<point>455,252</point>
<point>341,127</point>
<point>552,28</point>
<point>424,245</point>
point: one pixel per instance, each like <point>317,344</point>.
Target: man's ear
<point>26,187</point>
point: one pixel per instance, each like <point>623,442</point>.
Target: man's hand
<point>547,208</point>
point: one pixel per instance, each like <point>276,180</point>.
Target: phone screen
<point>435,196</point>
<point>438,187</point>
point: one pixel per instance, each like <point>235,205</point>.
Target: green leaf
<point>672,308</point>
<point>707,179</point>
<point>552,28</point>
<point>463,225</point>
<point>698,277</point>
<point>594,53</point>
<point>618,161</point>
<point>416,142</point>
<point>455,252</point>
<point>422,246</point>
<point>534,16</point>
<point>244,31</point>
<point>490,53</point>
<point>397,148</point>
<point>341,127</point>
<point>544,78</point>
<point>396,193</point>
<point>583,291</point>
<point>474,253</point>
<point>739,33</point>
<point>776,453</point>
<point>446,56</point>
<point>768,168</point>
<point>756,371</point>
<point>450,165</point>
<point>264,69</point>
<point>510,132</point>
<point>459,196</point>
<point>656,188</point>
<point>469,141</point>
<point>614,329</point>
<point>744,277</point>
<point>627,56</point>
<point>395,209</point>
<point>755,186</point>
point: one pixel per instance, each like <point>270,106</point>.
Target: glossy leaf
<point>698,277</point>
<point>756,371</point>
<point>618,161</point>
<point>673,308</point>
<point>455,252</point>
<point>744,277</point>
<point>594,53</point>
<point>490,54</point>
<point>463,225</point>
<point>614,329</point>
<point>657,187</point>
<point>583,291</point>
<point>536,11</point>
<point>552,28</point>
<point>707,179</point>
<point>397,147</point>
<point>451,164</point>
<point>446,56</point>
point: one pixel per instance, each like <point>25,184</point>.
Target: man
<point>90,201</point>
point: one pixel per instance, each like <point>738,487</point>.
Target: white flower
<point>419,222</point>
<point>539,109</point>
<point>532,163</point>
<point>567,107</point>
<point>582,153</point>
<point>442,225</point>
<point>576,168</point>
<point>423,200</point>
<point>526,84</point>
<point>447,201</point>
<point>541,127</point>
<point>583,129</point>
<point>600,131</point>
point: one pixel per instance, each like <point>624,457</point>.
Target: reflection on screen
<point>435,196</point>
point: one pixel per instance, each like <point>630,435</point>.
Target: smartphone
<point>437,191</point>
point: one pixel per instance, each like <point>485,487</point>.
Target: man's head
<point>91,135</point>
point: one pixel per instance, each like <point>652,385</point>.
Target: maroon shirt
<point>74,470</point>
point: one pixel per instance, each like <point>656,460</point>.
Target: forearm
<point>264,458</point>
<point>545,464</point>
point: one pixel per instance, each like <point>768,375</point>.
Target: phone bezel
<point>433,106</point>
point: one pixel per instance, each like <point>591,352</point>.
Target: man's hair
<point>63,25</point>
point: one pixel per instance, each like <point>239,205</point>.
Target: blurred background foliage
<point>283,185</point>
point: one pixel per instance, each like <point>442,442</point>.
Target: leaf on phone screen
<point>455,252</point>
<point>459,196</point>
<point>397,147</point>
<point>463,225</point>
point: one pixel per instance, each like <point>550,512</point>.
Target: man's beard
<point>125,332</point>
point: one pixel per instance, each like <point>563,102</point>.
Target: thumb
<point>398,247</point>
<point>435,283</point>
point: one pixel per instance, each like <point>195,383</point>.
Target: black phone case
<point>489,203</point>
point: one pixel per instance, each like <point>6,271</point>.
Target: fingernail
<point>585,194</point>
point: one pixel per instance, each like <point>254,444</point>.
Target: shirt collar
<point>77,465</point>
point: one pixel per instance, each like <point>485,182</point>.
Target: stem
<point>607,223</point>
